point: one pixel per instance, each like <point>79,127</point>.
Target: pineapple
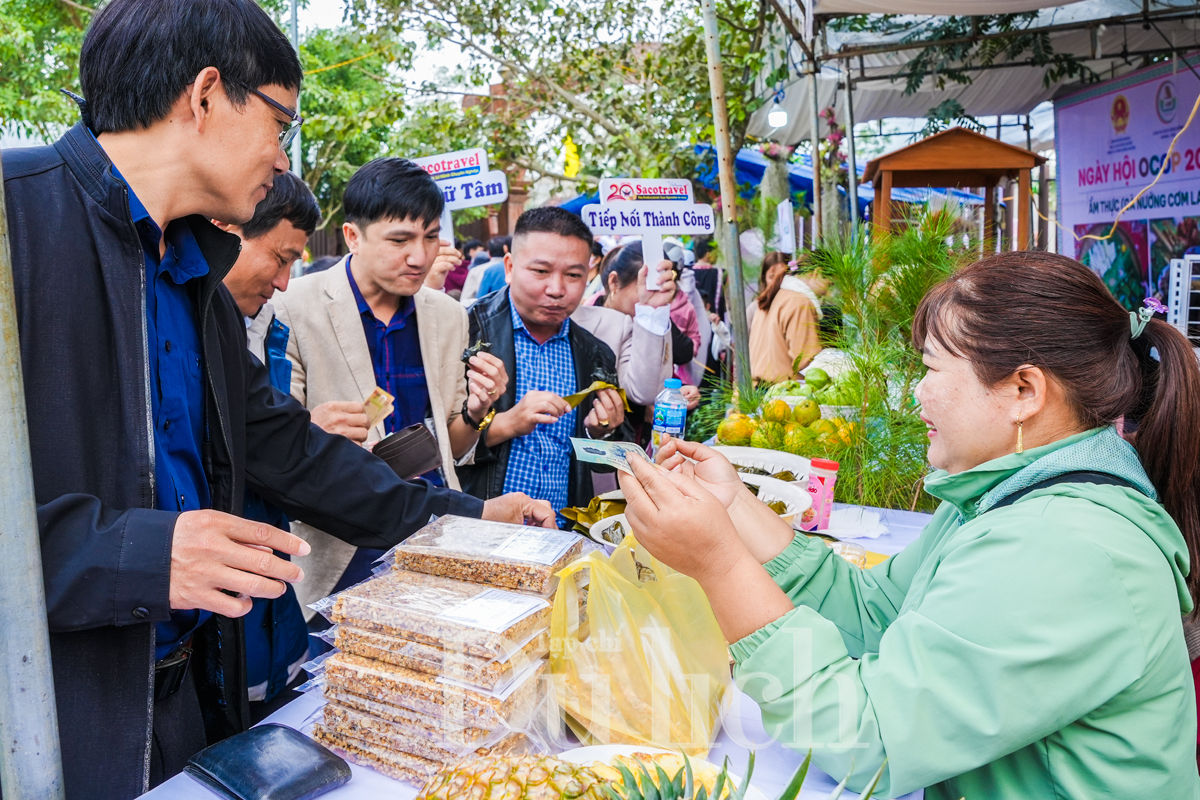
<point>630,778</point>
<point>515,778</point>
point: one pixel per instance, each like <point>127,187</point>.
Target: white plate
<point>796,499</point>
<point>770,460</point>
<point>604,753</point>
<point>600,526</point>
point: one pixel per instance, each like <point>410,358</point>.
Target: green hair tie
<point>1138,320</point>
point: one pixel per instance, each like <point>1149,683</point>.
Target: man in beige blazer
<point>377,291</point>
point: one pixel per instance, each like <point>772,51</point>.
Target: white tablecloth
<point>741,730</point>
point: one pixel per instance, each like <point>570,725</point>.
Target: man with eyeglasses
<point>148,418</point>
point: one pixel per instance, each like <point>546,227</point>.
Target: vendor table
<point>741,729</point>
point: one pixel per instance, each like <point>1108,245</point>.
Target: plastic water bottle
<point>670,413</point>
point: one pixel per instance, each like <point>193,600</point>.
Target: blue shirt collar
<point>519,324</point>
<point>188,262</point>
<point>403,311</point>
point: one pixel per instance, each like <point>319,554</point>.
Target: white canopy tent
<point>932,7</point>
<point>1109,34</point>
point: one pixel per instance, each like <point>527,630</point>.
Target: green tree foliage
<point>950,48</point>
<point>964,47</point>
<point>626,81</point>
<point>350,111</point>
<point>39,54</point>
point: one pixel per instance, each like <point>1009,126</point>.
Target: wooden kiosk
<point>958,159</point>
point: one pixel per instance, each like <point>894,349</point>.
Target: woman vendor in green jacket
<point>1029,644</point>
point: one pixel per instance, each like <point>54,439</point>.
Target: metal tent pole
<point>817,204</point>
<point>851,161</point>
<point>737,291</point>
<point>30,762</point>
<point>296,152</point>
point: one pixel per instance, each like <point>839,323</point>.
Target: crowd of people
<point>192,406</point>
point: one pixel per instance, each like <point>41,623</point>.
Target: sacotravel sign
<point>1112,141</point>
<point>475,190</point>
<point>652,220</point>
<point>465,181</point>
<point>459,164</point>
<point>635,190</point>
<point>662,217</point>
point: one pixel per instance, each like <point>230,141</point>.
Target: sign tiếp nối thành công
<point>656,207</point>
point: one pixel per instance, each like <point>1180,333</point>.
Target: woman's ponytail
<point>1168,430</point>
<point>1050,311</point>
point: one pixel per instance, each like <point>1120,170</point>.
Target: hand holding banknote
<point>609,454</point>
<point>378,407</point>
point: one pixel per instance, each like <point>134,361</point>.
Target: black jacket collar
<point>93,169</point>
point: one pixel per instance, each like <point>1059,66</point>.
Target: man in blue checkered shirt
<point>526,446</point>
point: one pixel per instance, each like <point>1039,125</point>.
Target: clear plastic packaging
<point>422,742</point>
<point>495,553</point>
<point>435,728</point>
<point>856,554</point>
<point>487,673</point>
<point>439,697</point>
<point>401,766</point>
<point>447,613</point>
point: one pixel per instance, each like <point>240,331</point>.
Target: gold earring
<point>1020,436</point>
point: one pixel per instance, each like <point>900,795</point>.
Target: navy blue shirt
<point>395,349</point>
<point>396,358</point>
<point>176,383</point>
<point>539,463</point>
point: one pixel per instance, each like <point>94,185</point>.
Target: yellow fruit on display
<point>806,412</point>
<point>797,441</point>
<point>828,440</point>
<point>777,411</point>
<point>641,776</point>
<point>823,426</point>
<point>768,436</point>
<point>845,429</point>
<point>736,430</point>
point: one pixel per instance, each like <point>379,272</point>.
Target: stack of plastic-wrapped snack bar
<point>442,654</point>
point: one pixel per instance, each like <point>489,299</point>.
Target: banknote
<point>574,400</point>
<point>378,406</point>
<point>611,454</point>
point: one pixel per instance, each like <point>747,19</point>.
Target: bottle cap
<point>824,463</point>
<point>673,383</point>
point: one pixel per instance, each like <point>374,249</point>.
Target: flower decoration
<point>776,151</point>
<point>1154,305</point>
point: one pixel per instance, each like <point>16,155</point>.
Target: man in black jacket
<point>528,325</point>
<point>147,416</point>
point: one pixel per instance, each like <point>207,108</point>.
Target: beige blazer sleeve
<point>442,323</point>
<point>331,361</point>
<point>326,345</point>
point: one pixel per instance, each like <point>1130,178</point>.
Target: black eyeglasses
<point>287,135</point>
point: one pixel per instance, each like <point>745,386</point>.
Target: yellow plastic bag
<point>655,667</point>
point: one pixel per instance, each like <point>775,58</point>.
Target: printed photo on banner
<point>1170,238</point>
<point>1119,260</point>
<point>1114,139</point>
